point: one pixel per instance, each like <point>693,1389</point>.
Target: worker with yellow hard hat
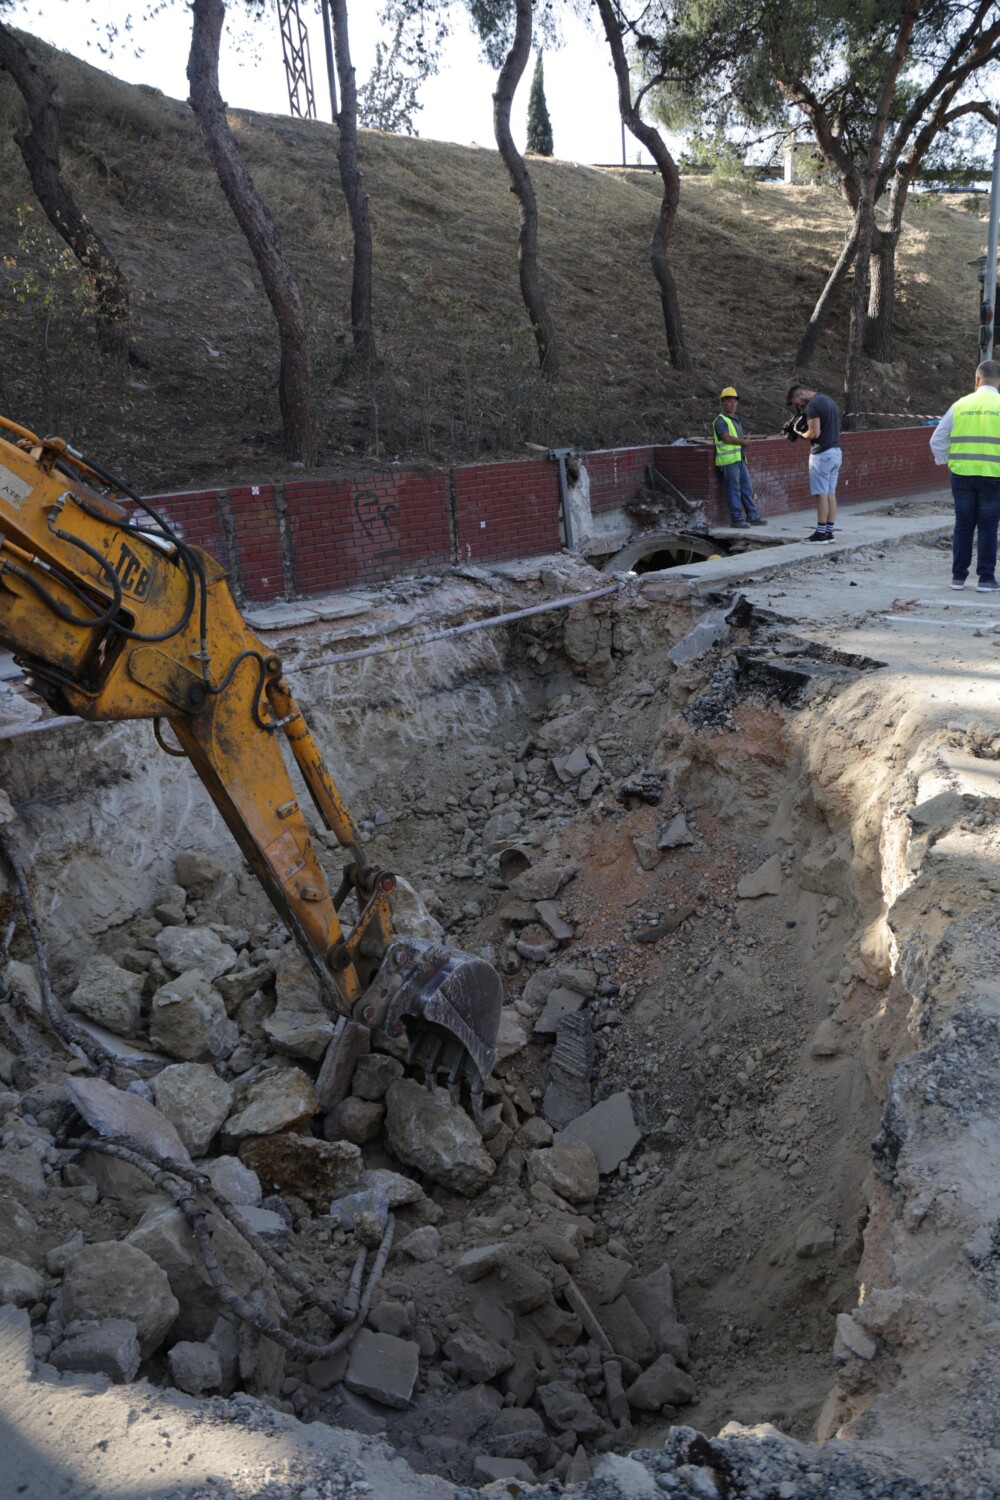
<point>730,441</point>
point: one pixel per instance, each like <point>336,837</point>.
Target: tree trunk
<point>260,230</point>
<point>824,305</point>
<point>866,210</point>
<point>355,197</point>
<point>40,150</point>
<point>520,182</point>
<point>881,296</point>
<point>650,137</point>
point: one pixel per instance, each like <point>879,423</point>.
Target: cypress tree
<point>539,124</point>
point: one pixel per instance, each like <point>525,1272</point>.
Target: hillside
<point>457,376</point>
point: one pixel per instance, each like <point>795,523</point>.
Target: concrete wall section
<point>313,536</point>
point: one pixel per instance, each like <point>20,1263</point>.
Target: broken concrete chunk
<point>568,1168</point>
<point>109,995</point>
<point>117,1280</point>
<point>197,872</point>
<point>663,1384</point>
<point>647,853</point>
<point>511,1036</point>
<point>814,1237</point>
<point>384,1368</point>
<point>548,912</point>
<point>195,1368</point>
<point>107,1347</point>
<point>196,1101</point>
<point>582,981</point>
<point>373,1075</point>
<point>477,1358</point>
<point>262,1222</point>
<point>279,1099</point>
<point>239,984</point>
<point>479,1262</point>
<point>487,1469</point>
<point>630,1338</point>
<point>501,828</point>
<point>603,1277</point>
<point>569,1410</point>
<point>356,1120</point>
<point>516,1431</point>
<point>576,763</point>
<point>652,1297</point>
<point>544,881</point>
<point>425,1130</point>
<point>765,881</point>
<point>568,1092</point>
<point>236,1183</point>
<point>609,1129</point>
<point>188,1019</point>
<point>113,1112</point>
<point>561,1002</point>
<point>853,1338</point>
<point>20,1286</point>
<point>296,1033</point>
<point>311,1169</point>
<point>828,1039</point>
<point>393,1186</point>
<point>676,834</point>
<point>350,1041</point>
<point>423,1244</point>
<point>182,949</point>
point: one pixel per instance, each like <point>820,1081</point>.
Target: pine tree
<point>539,124</point>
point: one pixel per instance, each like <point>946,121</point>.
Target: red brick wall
<point>506,510</point>
<point>313,536</point>
<point>877,465</point>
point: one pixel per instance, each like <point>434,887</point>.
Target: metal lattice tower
<point>298,67</point>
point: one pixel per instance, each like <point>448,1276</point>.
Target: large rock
<point>109,995</point>
<point>185,948</point>
<point>196,1100</point>
<point>652,1298</point>
<point>20,1285</point>
<point>477,1358</point>
<point>764,881</point>
<point>110,1347</point>
<point>118,1280</point>
<point>115,1113</point>
<point>609,1129</point>
<point>312,1169</point>
<point>164,1236</point>
<point>188,1018</point>
<point>236,1183</point>
<point>357,1120</point>
<point>301,1025</point>
<point>196,871</point>
<point>568,1410</point>
<point>374,1075</point>
<point>569,1169</point>
<point>195,1368</point>
<point>383,1367</point>
<point>351,1040</point>
<point>663,1384</point>
<point>428,1132</point>
<point>544,881</point>
<point>280,1099</point>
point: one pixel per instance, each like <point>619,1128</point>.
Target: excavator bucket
<point>447,1002</point>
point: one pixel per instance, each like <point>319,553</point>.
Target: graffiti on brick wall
<point>376,517</point>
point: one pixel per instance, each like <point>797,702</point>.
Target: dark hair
<point>989,369</point>
<point>792,389</point>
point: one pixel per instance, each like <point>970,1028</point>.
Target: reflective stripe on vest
<point>974,447</point>
<point>725,453</point>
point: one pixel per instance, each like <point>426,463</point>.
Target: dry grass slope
<point>457,375</point>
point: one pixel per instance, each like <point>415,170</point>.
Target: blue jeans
<point>977,509</point>
<point>739,491</point>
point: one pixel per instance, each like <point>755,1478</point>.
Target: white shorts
<point>823,471</point>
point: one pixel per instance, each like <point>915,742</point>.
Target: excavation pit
<point>743,884</point>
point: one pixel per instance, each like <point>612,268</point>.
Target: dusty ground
<point>456,378</point>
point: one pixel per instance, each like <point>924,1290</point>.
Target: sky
<point>579,79</point>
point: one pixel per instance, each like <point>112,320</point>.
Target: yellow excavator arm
<point>112,615</point>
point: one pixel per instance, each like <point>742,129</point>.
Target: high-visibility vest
<point>975,434</point>
<point>726,453</point>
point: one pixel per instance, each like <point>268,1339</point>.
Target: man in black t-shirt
<point>822,429</point>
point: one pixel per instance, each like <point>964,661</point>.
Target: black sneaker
<point>757,521</point>
<point>987,586</point>
<point>742,524</point>
<point>820,536</point>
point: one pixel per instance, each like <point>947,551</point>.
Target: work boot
<point>757,521</point>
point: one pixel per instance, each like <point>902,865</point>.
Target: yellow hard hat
<point>729,391</point>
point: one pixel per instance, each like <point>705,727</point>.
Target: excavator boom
<point>113,619</point>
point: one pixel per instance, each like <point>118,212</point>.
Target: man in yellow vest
<point>730,441</point>
<point>967,439</point>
